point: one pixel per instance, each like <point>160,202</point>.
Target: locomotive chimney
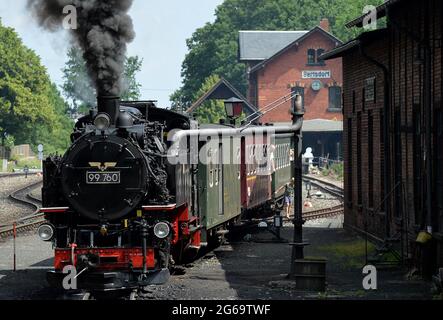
<point>109,105</point>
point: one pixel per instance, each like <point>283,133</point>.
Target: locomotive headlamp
<point>46,232</point>
<point>102,121</point>
<point>161,230</point>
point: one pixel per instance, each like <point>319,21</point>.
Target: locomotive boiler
<point>122,208</point>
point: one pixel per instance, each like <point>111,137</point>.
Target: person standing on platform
<point>289,196</point>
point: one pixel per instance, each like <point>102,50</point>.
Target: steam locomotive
<point>132,195</point>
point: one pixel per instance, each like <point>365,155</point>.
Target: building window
<point>353,101</point>
<point>335,98</point>
<point>417,147</point>
<point>311,56</point>
<point>382,161</point>
<point>314,57</point>
<point>300,91</point>
<point>349,164</point>
<point>319,53</point>
<point>370,89</point>
<point>371,159</point>
<point>359,161</point>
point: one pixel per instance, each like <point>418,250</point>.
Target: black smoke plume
<point>104,29</point>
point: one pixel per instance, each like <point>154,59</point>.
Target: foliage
<point>335,170</point>
<point>31,163</point>
<point>210,111</point>
<point>56,137</point>
<point>31,109</point>
<point>213,48</point>
<point>133,65</point>
<point>77,86</point>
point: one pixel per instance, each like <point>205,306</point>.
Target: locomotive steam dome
<point>104,177</point>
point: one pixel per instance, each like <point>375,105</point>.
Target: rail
<point>330,188</point>
<point>26,223</point>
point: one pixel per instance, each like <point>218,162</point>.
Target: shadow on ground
<point>258,270</point>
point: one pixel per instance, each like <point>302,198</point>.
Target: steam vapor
<point>104,29</point>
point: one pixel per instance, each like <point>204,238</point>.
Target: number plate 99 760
<point>103,177</point>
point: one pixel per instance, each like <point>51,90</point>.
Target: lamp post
<point>298,243</point>
<point>233,108</point>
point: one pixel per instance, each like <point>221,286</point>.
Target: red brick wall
<point>356,71</point>
<point>407,130</point>
<point>278,76</point>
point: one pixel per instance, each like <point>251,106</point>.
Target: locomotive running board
<point>168,207</point>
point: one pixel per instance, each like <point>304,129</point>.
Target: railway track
<point>327,187</point>
<point>9,175</point>
<point>330,188</point>
<point>28,223</point>
<point>324,213</point>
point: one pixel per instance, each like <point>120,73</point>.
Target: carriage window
<point>289,155</point>
<point>211,178</point>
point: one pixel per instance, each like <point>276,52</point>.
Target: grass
<point>349,254</point>
<point>335,170</point>
<point>32,163</point>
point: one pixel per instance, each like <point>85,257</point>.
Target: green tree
<point>133,65</point>
<point>213,49</point>
<point>210,111</point>
<point>77,86</point>
<point>31,109</point>
<point>56,137</point>
<point>23,87</point>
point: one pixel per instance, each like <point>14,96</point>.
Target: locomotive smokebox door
<point>104,178</point>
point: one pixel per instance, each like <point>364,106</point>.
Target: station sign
<point>316,74</point>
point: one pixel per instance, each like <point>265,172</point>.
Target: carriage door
<point>220,181</point>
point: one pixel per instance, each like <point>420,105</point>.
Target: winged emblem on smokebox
<point>102,166</point>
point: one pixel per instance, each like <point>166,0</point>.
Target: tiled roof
<point>261,45</point>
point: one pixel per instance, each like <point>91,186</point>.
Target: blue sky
<point>162,28</point>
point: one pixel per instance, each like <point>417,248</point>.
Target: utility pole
<point>298,244</point>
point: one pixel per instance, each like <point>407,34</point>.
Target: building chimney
<point>324,24</point>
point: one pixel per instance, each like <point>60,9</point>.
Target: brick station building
<point>283,62</point>
<point>393,132</point>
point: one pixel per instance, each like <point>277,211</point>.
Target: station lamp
<point>234,107</point>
